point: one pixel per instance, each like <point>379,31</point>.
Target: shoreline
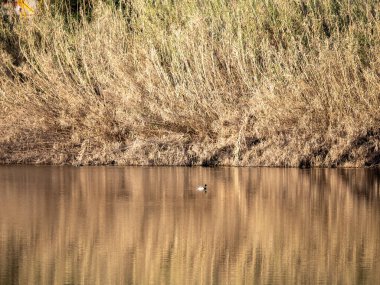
<point>149,156</point>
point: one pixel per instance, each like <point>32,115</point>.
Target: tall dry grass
<point>285,83</point>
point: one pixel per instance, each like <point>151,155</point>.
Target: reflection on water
<point>135,225</point>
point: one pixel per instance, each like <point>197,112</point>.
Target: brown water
<point>136,225</point>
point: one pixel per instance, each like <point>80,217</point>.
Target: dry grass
<point>285,83</point>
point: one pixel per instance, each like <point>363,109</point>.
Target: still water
<point>141,225</point>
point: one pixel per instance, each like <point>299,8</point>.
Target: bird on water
<point>202,188</point>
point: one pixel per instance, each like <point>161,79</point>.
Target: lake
<point>148,225</point>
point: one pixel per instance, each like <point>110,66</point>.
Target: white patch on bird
<point>202,188</point>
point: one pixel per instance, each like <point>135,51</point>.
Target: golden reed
<point>284,83</point>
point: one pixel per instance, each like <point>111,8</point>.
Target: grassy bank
<point>280,83</point>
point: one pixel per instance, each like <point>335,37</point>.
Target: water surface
<point>137,225</point>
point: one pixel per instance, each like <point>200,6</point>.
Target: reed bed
<point>264,83</point>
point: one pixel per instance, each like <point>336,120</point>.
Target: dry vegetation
<point>285,83</point>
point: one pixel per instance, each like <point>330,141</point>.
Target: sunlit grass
<point>290,83</point>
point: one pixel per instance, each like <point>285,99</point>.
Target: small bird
<point>202,188</point>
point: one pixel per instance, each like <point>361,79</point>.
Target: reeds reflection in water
<point>136,225</point>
